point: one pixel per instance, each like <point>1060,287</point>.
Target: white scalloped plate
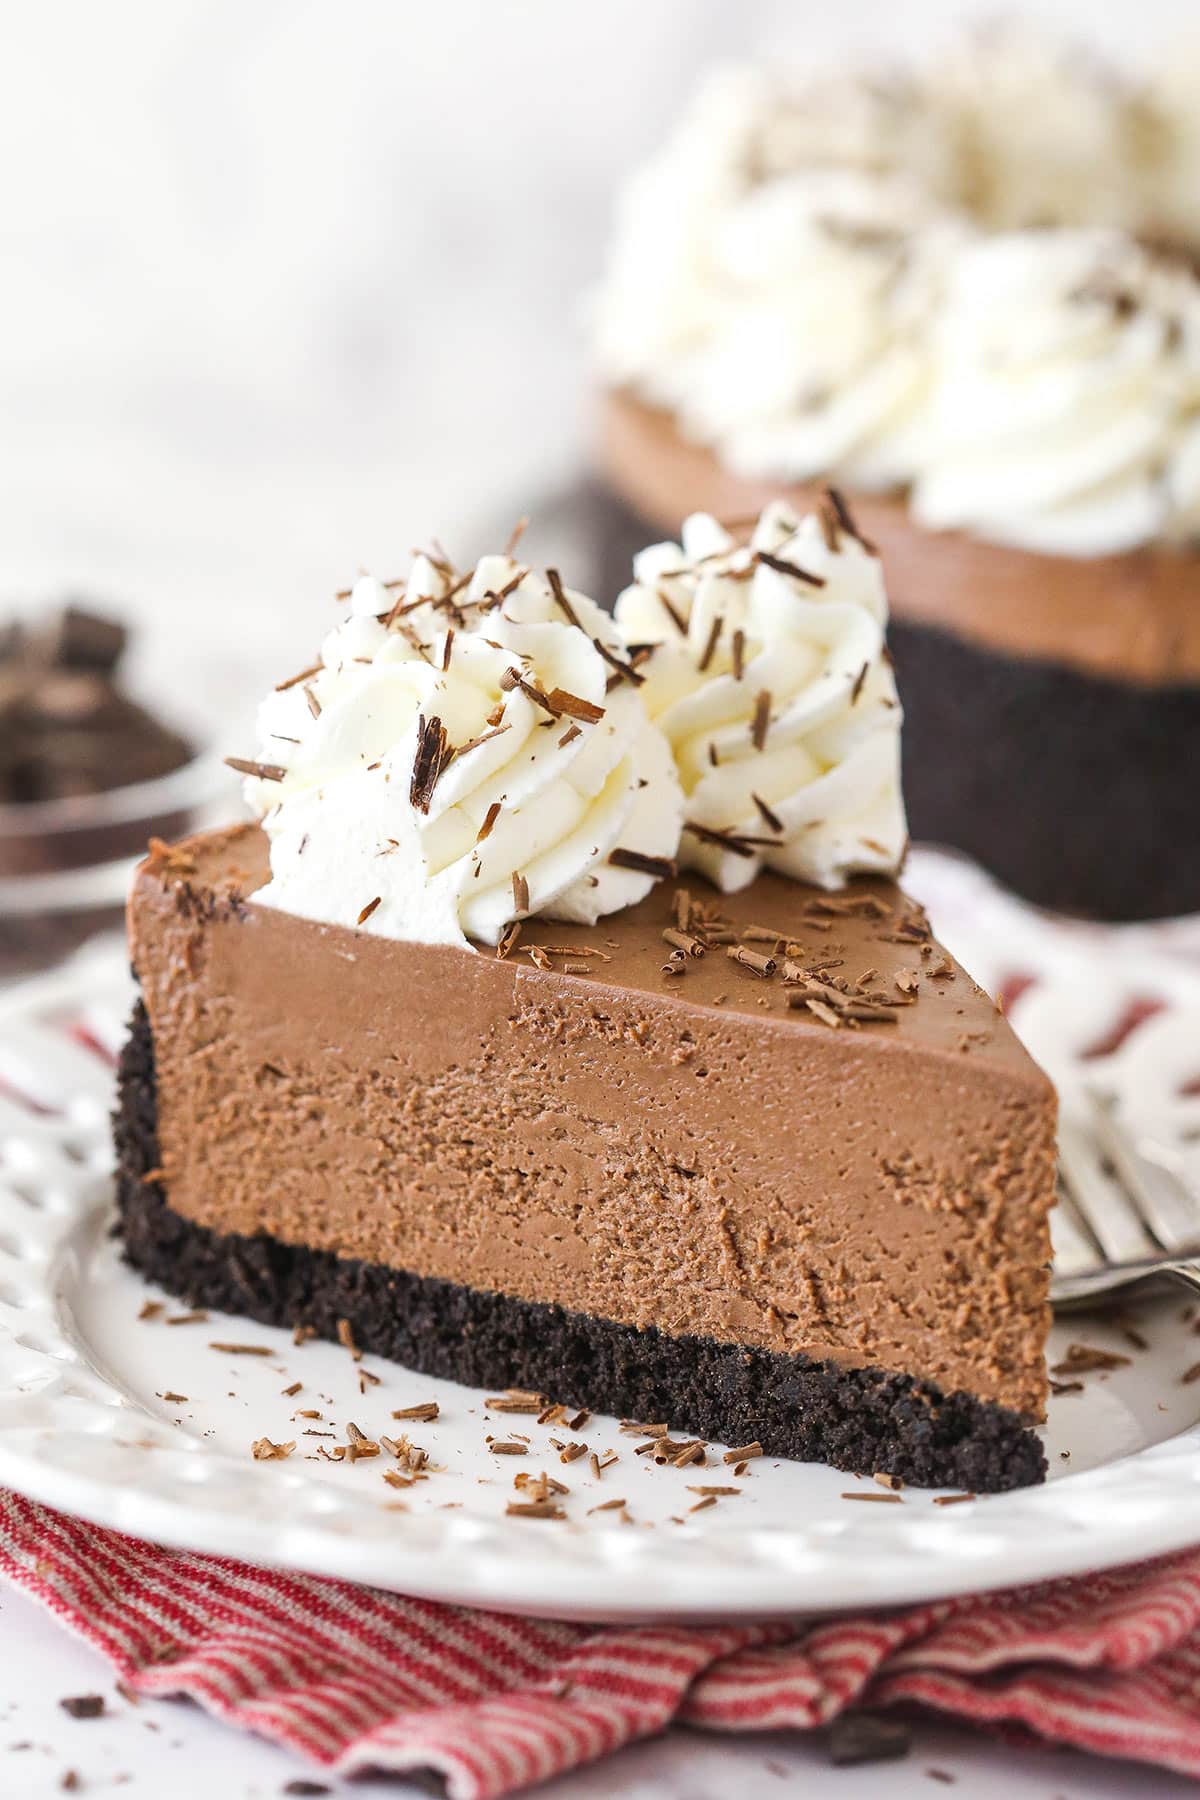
<point>91,1421</point>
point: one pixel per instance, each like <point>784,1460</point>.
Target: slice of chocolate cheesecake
<point>443,1057</point>
<point>766,1165</point>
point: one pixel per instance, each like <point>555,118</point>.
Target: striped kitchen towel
<point>355,1679</point>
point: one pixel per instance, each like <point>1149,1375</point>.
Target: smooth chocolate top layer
<point>571,1124</point>
<point>1133,617</point>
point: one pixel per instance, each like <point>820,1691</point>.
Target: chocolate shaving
<point>431,758</point>
<point>770,819</point>
<point>624,670</point>
<point>513,678</point>
<point>447,648</point>
<point>845,519</point>
<point>763,966</point>
<point>661,867</point>
<point>762,718</point>
<point>507,939</point>
<point>859,679</point>
<point>489,820</point>
<point>368,909</point>
<point>1081,1359</point>
<point>241,1349</point>
<point>518,1400</point>
<point>739,654</point>
<point>574,706</point>
<point>262,771</point>
<point>520,888</point>
<point>714,636</point>
<point>426,1412</point>
<point>783,567</point>
<point>485,737</point>
<point>683,941</point>
<point>569,736</point>
<point>676,618</point>
<point>263,1450</point>
<point>725,838</point>
<point>827,519</point>
<point>560,599</point>
<point>292,681</point>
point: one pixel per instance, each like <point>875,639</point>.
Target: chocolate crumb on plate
<point>83,1706</point>
<point>534,1509</point>
<point>862,1737</point>
<point>425,1412</point>
<point>1082,1359</point>
<point>263,1450</point>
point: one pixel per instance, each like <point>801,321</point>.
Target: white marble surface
<point>162,1748</point>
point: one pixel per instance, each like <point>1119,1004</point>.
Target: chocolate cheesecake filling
<point>705,1175</point>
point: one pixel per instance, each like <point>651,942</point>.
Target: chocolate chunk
<point>78,639</point>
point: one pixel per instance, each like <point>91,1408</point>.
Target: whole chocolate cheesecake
<point>450,1055</point>
<point>970,301</point>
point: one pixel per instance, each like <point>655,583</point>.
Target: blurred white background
<point>287,286</point>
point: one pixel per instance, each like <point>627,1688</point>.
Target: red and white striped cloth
<point>355,1679</point>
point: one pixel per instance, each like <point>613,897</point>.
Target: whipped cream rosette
<point>816,359</point>
<point>467,752</point>
<point>896,284</point>
<point>1061,387</point>
<point>777,310</point>
<point>770,678</point>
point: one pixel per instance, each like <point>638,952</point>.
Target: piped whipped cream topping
<point>1064,383</point>
<point>468,751</point>
<point>806,301</point>
<point>780,317</point>
<point>1026,129</point>
<point>770,677</point>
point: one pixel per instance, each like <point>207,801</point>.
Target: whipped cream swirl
<point>808,278</point>
<point>770,677</point>
<point>467,752</point>
<point>780,316</point>
<point>1059,395</point>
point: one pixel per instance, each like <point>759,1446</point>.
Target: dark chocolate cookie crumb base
<point>1077,791</point>
<point>862,1420</point>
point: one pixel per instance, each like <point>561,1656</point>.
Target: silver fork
<point>1125,1212</point>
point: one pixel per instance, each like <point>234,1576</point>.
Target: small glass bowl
<point>65,864</point>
